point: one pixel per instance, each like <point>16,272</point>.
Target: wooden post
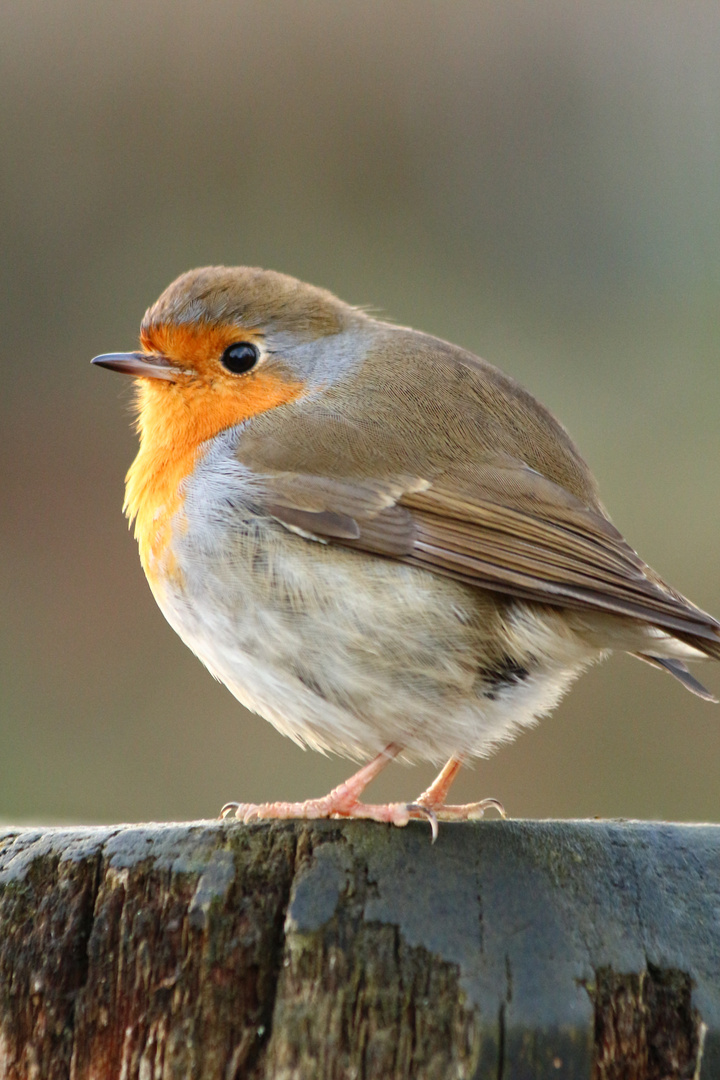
<point>510,950</point>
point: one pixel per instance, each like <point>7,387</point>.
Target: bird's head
<point>223,344</point>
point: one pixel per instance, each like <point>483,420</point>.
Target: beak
<point>141,365</point>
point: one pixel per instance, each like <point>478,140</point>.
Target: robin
<point>376,540</point>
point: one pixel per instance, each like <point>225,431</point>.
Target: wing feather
<point>540,544</point>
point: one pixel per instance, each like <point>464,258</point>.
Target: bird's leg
<point>436,794</point>
<point>342,802</point>
<point>433,799</point>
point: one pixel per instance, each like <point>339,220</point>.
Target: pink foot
<point>327,807</point>
<point>432,801</point>
<point>467,811</point>
<point>342,802</point>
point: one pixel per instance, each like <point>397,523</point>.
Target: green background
<point>539,182</point>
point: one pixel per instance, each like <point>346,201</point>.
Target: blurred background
<point>537,182</point>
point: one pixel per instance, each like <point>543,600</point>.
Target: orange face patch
<point>195,345</point>
<point>176,418</point>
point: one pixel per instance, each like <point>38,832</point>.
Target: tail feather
<point>678,670</point>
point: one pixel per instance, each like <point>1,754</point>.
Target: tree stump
<point>510,950</point>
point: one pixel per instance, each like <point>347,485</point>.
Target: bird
<point>378,542</point>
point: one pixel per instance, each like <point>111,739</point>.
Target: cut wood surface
<point>508,950</point>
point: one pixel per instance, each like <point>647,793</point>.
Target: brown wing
<point>517,533</point>
<point>426,454</point>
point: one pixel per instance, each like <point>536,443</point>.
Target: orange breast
<point>174,421</point>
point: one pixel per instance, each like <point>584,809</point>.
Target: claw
<point>489,804</point>
<point>226,810</point>
<point>431,816</point>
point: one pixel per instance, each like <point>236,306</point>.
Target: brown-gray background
<point>538,182</point>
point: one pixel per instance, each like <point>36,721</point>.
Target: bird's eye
<point>240,357</point>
